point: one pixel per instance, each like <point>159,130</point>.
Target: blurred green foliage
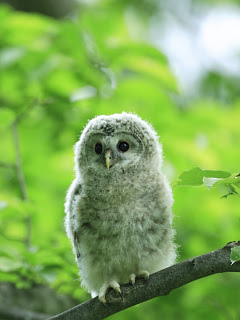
<point>54,76</point>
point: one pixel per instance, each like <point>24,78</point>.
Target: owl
<point>119,207</point>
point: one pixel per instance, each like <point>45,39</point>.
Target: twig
<point>18,165</point>
<point>34,103</point>
<point>160,284</point>
<point>21,180</point>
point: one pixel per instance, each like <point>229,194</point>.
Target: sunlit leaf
<point>8,277</point>
<point>49,274</point>
<point>154,67</point>
<point>7,264</point>
<point>9,56</point>
<point>83,93</point>
<point>235,254</point>
<point>234,179</point>
<point>3,204</point>
<point>195,176</point>
<point>209,182</point>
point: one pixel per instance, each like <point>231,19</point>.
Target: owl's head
<point>117,142</point>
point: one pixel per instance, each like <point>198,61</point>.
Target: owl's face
<point>117,150</point>
<point>116,144</point>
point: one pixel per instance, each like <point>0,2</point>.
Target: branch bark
<point>160,284</point>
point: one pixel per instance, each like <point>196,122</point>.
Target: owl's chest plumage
<point>120,200</point>
<point>122,217</point>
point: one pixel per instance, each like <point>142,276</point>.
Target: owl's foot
<point>132,278</point>
<point>141,274</point>
<point>104,289</point>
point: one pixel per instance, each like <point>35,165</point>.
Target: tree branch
<point>160,284</point>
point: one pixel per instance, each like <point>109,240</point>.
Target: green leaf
<point>7,264</point>
<point>9,277</point>
<point>234,179</point>
<point>139,48</point>
<point>3,204</point>
<point>231,191</point>
<point>49,274</point>
<point>9,56</point>
<point>145,61</point>
<point>235,254</point>
<point>209,182</point>
<point>196,177</point>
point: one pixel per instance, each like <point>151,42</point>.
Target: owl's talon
<point>102,299</point>
<point>118,290</point>
<point>132,278</point>
<point>143,274</point>
<point>105,288</point>
<point>120,293</point>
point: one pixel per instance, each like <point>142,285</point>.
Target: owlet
<point>119,207</point>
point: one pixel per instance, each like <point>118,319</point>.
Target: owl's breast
<point>126,206</point>
<point>108,217</point>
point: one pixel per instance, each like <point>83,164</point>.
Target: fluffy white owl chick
<point>118,208</point>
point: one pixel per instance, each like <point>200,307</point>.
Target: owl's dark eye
<point>98,148</point>
<point>123,146</point>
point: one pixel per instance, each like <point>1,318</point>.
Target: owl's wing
<point>72,215</point>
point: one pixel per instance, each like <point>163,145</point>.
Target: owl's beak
<point>108,158</point>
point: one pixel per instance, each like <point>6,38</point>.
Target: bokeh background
<point>174,63</point>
